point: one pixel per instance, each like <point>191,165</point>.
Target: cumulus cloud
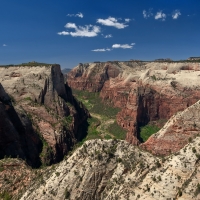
<point>160,15</point>
<point>123,46</point>
<point>108,36</point>
<point>4,45</point>
<point>147,13</point>
<point>81,31</point>
<point>111,21</point>
<point>101,50</point>
<point>176,14</point>
<point>76,15</point>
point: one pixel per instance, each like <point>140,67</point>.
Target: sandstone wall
<point>146,91</point>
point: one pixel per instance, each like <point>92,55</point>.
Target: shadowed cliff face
<point>147,92</point>
<point>43,106</point>
<point>17,137</point>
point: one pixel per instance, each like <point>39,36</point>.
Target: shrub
<point>5,196</point>
<point>153,77</point>
<point>197,191</point>
<point>194,150</point>
<point>158,164</point>
<point>66,194</point>
<point>179,193</point>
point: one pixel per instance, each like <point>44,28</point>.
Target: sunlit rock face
<point>111,169</point>
<point>146,91</point>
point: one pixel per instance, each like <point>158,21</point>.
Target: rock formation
<point>146,91</point>
<point>180,129</point>
<point>114,169</point>
<point>17,137</point>
<point>44,107</point>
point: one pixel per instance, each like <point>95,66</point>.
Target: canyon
<point>42,121</point>
<point>146,92</point>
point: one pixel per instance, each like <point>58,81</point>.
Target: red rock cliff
<point>146,92</point>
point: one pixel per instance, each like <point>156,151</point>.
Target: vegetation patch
<point>103,112</point>
<point>5,196</point>
<point>92,131</point>
<point>94,103</point>
<point>117,131</point>
<point>147,131</point>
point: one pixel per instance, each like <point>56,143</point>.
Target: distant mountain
<point>66,70</point>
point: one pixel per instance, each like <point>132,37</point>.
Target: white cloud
<point>111,21</point>
<point>123,46</point>
<point>160,15</point>
<point>79,15</point>
<point>127,20</point>
<point>76,15</point>
<point>147,14</point>
<point>176,14</point>
<point>108,36</point>
<point>63,33</point>
<point>101,50</point>
<point>4,45</point>
<point>70,25</point>
<point>81,31</point>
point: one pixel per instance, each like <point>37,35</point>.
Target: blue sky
<point>72,31</point>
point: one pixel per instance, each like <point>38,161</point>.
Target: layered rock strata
<point>180,129</point>
<point>117,170</point>
<point>48,106</point>
<point>146,91</point>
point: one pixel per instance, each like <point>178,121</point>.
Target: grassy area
<point>105,111</point>
<point>147,131</point>
<point>117,131</point>
<point>92,132</point>
<point>94,103</point>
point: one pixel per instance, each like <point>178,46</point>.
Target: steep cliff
<point>147,92</point>
<point>180,129</point>
<point>17,137</point>
<point>54,115</point>
<point>91,77</point>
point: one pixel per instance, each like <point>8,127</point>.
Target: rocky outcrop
<point>55,116</point>
<point>117,170</point>
<point>180,129</point>
<point>146,91</point>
